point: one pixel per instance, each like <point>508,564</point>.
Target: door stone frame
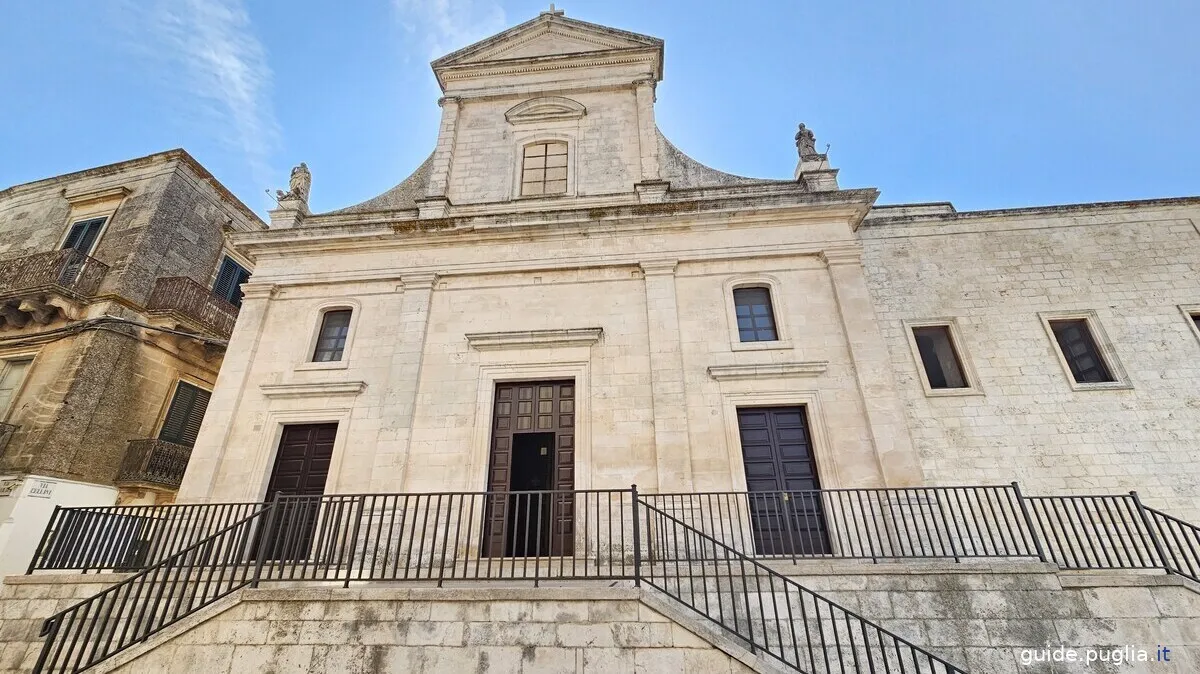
<point>500,373</point>
<point>264,459</point>
<point>827,468</point>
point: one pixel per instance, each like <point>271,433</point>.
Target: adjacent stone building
<point>118,291</point>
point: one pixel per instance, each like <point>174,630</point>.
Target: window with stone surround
<point>1080,351</point>
<point>544,169</point>
<point>755,317</point>
<point>1084,351</point>
<point>185,414</point>
<point>331,341</point>
<point>941,358</point>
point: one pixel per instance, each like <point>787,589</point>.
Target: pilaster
<point>443,154</point>
<point>204,466</point>
<point>672,447</point>
<point>898,462</point>
<point>647,132</point>
<point>404,375</point>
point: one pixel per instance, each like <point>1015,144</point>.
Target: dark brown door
<point>301,467</point>
<point>533,450</point>
<point>784,505</point>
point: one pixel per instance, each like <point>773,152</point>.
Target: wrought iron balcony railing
<point>154,461</point>
<point>59,270</point>
<point>189,299</point>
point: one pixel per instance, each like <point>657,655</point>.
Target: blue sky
<point>985,104</point>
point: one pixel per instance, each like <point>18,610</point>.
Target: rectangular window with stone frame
<point>544,169</point>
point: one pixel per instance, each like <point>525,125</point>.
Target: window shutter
<point>83,235</point>
<point>182,424</point>
<point>229,279</point>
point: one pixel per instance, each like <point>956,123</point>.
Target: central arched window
<point>544,169</point>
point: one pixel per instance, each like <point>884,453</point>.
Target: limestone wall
<point>1133,265</point>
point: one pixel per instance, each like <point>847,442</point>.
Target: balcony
<point>154,462</point>
<point>37,287</point>
<point>183,298</point>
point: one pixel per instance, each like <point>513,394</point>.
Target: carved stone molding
<point>419,281</point>
<point>658,267</point>
<point>534,339</point>
<point>843,255</point>
<point>91,196</point>
<point>768,371</point>
<point>309,390</point>
<point>259,291</point>
<point>545,109</point>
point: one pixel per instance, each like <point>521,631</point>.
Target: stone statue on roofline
<point>298,184</point>
<point>806,142</point>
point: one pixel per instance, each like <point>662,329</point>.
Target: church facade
<point>559,298</point>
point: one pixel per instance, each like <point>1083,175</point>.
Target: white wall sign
<point>42,489</point>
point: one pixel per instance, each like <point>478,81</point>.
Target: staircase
<point>700,562</point>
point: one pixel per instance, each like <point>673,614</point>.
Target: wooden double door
<point>531,468</point>
<point>786,513</point>
<point>301,469</point>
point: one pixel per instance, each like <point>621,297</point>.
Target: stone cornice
<point>659,267</point>
<point>259,291</point>
<point>842,255</point>
<point>759,209</point>
<point>309,390</point>
<point>91,196</point>
<point>768,371</point>
<point>541,64</point>
<point>528,339</point>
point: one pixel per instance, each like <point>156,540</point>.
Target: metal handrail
<point>120,538</point>
<point>771,613</point>
<point>894,523</point>
<point>94,629</point>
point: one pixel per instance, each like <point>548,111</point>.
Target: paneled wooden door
<point>786,515</point>
<point>533,449</point>
<point>301,468</point>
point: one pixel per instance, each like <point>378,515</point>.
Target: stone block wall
<point>1134,265</point>
<point>415,630</point>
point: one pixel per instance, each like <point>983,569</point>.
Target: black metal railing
<point>450,536</point>
<point>770,613</point>
<point>1180,543</point>
<point>129,612</point>
<point>446,537</point>
<point>154,461</point>
<point>121,538</point>
<point>919,522</point>
<point>188,298</point>
<point>65,269</point>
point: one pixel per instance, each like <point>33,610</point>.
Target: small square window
<point>755,319</point>
<point>331,341</point>
<point>1079,350</point>
<point>943,368</point>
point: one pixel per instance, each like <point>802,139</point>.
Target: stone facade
<point>101,354</point>
<point>458,281</point>
<point>995,274</point>
<point>984,618</point>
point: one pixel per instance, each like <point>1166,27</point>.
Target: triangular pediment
<point>547,35</point>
